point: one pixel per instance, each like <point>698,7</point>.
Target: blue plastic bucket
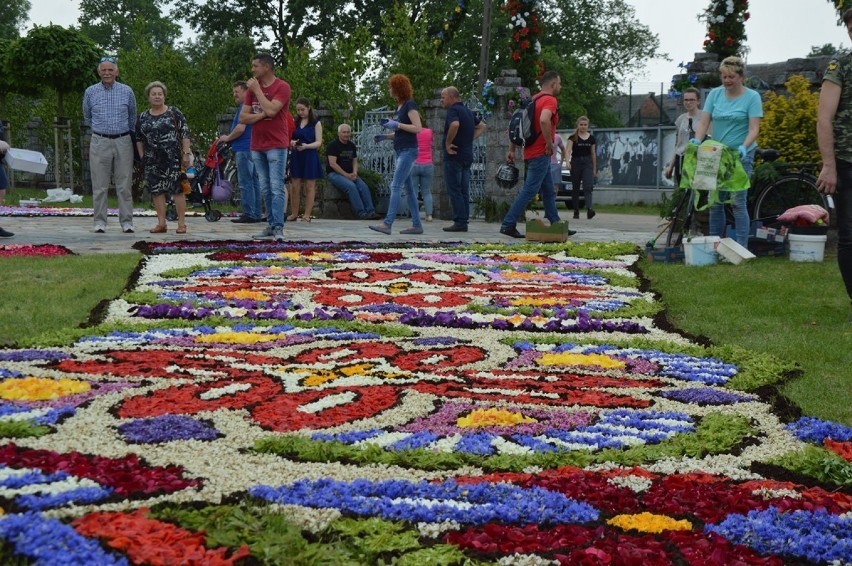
<point>700,250</point>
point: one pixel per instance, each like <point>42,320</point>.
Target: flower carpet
<point>26,250</point>
<point>37,211</point>
<point>318,403</point>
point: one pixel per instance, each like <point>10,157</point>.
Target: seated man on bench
<point>342,172</point>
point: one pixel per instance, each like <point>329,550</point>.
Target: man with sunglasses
<point>685,124</point>
<point>109,108</point>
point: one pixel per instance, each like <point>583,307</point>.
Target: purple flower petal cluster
<point>50,541</point>
<point>560,322</point>
<point>706,396</point>
<point>443,421</point>
<point>167,428</point>
<point>817,536</point>
<point>185,311</point>
<point>812,429</point>
<point>32,355</point>
<point>400,500</point>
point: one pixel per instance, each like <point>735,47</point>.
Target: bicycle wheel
<point>681,219</point>
<point>786,192</point>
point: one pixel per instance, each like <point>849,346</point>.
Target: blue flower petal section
<point>475,504</point>
<point>817,536</point>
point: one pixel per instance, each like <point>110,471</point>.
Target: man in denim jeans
<point>240,139</point>
<point>461,127</point>
<point>343,173</point>
<point>834,135</point>
<point>537,156</point>
<point>265,109</point>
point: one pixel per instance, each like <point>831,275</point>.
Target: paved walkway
<point>77,233</point>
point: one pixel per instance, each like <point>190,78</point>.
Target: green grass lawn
<point>794,311</point>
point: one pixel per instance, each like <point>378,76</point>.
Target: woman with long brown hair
<point>404,125</point>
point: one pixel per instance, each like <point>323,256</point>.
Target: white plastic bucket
<point>700,250</point>
<point>806,248</point>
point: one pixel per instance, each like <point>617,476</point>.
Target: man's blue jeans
<point>358,193</point>
<point>420,181</point>
<point>269,166</point>
<point>457,181</point>
<point>249,187</point>
<point>404,161</point>
<point>742,222</point>
<point>537,180</point>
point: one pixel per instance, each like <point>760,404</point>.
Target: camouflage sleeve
<point>833,71</point>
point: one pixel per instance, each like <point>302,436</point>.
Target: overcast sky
<point>777,30</point>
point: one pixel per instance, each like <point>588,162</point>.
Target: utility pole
<point>486,42</point>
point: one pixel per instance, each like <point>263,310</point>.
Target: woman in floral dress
<point>162,138</point>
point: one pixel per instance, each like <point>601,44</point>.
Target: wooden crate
<point>540,231</point>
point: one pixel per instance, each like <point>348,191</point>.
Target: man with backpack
<point>538,147</point>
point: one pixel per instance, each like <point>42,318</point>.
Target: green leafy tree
<point>789,121</point>
<point>331,77</point>
<point>823,50</point>
<point>126,24</point>
<point>599,43</point>
<point>196,86</point>
<point>13,17</point>
<point>410,51</point>
<point>67,61</point>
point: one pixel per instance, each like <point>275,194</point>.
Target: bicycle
<point>794,185</point>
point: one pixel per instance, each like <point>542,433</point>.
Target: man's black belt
<point>112,136</point>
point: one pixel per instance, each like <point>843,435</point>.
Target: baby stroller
<point>208,185</point>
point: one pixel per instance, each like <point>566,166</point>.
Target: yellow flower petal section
<point>493,417</point>
<point>237,338</point>
<point>40,389</point>
<point>649,523</point>
<point>525,258</point>
<point>295,256</point>
<point>571,359</point>
<point>246,294</point>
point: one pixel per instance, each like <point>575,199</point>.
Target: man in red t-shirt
<point>537,155</point>
<point>266,106</point>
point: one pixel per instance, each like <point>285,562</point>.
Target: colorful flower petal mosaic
<point>360,403</point>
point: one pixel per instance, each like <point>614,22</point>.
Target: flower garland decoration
<point>725,26</point>
<point>841,6</point>
<point>525,27</point>
<point>450,25</point>
<point>683,80</point>
<point>516,98</point>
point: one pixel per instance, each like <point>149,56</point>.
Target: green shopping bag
<point>712,167</point>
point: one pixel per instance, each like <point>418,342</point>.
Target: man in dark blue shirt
<point>460,129</point>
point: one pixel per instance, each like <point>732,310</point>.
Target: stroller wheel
<point>171,213</point>
<point>212,215</point>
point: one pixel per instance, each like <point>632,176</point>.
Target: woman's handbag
<point>222,189</point>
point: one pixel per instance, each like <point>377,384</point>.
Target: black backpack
<point>522,130</point>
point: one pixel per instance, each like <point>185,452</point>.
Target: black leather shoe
<point>455,228</point>
<point>576,214</point>
<point>5,234</point>
<point>244,220</point>
<point>374,216</point>
<point>590,214</point>
<point>510,231</point>
<point>571,232</point>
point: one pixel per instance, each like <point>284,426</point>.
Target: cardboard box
<point>664,255</point>
<point>540,231</point>
<point>733,252</point>
<point>771,234</point>
<point>26,160</point>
